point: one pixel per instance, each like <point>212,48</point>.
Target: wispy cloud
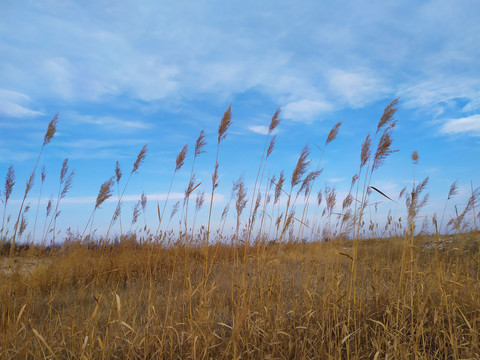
<point>9,155</point>
<point>14,104</point>
<point>469,125</point>
<point>357,88</point>
<point>336,180</point>
<point>99,144</point>
<point>259,129</point>
<point>218,198</point>
<point>305,110</point>
<point>111,123</point>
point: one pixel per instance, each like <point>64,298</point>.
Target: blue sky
<point>123,74</point>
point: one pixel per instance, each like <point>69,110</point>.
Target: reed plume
<point>222,133</point>
<point>225,124</point>
<point>308,185</point>
<point>143,203</point>
<point>274,122</point>
<point>105,192</point>
<point>63,188</point>
<point>301,168</point>
<point>459,221</point>
<point>118,177</point>
<point>51,129</point>
<point>135,214</point>
<point>200,143</point>
<point>451,193</point>
<point>43,176</point>
<point>179,161</point>
<point>9,183</point>
<point>332,135</point>
<point>136,165</point>
<point>278,187</point>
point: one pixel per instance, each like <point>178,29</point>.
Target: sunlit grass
<point>267,291</point>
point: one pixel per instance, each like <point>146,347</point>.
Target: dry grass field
<point>294,301</point>
<point>291,282</point>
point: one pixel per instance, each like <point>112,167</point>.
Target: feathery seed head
<point>199,201</point>
<point>240,193</point>
<point>278,187</point>
<point>200,143</point>
<point>9,182</point>
<point>354,180</point>
<point>52,128</point>
<point>383,149</point>
<point>136,212</point>
<point>388,114</point>
<point>106,190</point>
<point>44,173</point>
<point>271,146</point>
<point>366,151</point>
<point>30,182</point>
<point>181,158</point>
<point>255,209</point>
<point>215,177</point>
<point>143,201</point>
<point>118,211</point>
<point>453,190</point>
<point>275,121</point>
<point>49,206</point>
<point>415,157</point>
<point>23,225</point>
<point>347,202</point>
<point>118,172</point>
<point>140,159</point>
<point>67,184</point>
<point>225,211</point>
<point>308,180</point>
<point>273,181</point>
<point>333,133</point>
<point>63,171</point>
<point>175,208</point>
<point>225,124</point>
<point>301,167</point>
<point>330,198</point>
<point>190,187</point>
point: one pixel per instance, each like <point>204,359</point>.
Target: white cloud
<point>12,104</point>
<point>442,93</point>
<point>356,88</point>
<point>218,198</point>
<point>151,53</point>
<point>259,129</point>
<point>469,125</point>
<point>305,109</point>
<point>336,180</point>
<point>9,155</point>
<point>111,122</point>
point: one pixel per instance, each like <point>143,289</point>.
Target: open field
<point>269,289</point>
<point>287,301</point>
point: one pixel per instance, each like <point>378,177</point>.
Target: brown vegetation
<point>198,294</point>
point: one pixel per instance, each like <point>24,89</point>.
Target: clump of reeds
<point>51,129</point>
<point>105,192</point>
<point>65,184</point>
<point>222,134</point>
<point>179,161</point>
<point>141,298</point>
<point>136,165</point>
<point>9,182</point>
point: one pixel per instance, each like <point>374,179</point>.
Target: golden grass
<point>145,301</point>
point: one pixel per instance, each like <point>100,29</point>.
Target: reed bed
<point>266,291</point>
